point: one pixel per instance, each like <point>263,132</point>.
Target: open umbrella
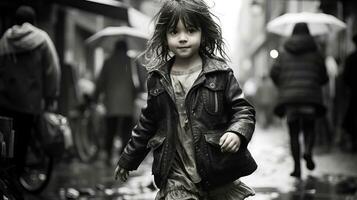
<point>318,23</point>
<point>106,38</point>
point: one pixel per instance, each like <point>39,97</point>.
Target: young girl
<point>196,121</point>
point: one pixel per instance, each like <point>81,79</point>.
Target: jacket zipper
<point>215,102</point>
<point>167,85</point>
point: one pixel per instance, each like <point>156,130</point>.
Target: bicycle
<point>53,141</point>
<point>49,139</point>
<point>8,188</point>
<point>38,166</point>
<point>84,122</point>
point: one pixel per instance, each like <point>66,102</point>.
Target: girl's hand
<point>121,173</point>
<point>230,142</point>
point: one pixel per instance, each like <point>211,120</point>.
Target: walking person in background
<point>299,74</point>
<point>29,78</point>
<point>349,77</point>
<point>197,122</point>
<point>116,85</point>
<point>265,99</point>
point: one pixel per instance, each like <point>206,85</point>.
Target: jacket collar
<point>209,65</point>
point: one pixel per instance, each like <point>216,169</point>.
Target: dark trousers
<point>307,126</point>
<point>120,125</point>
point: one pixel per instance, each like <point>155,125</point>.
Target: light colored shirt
<point>182,82</point>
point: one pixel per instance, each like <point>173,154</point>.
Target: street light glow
<point>274,53</point>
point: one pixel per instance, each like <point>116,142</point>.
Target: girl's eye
<point>191,30</point>
<point>173,32</point>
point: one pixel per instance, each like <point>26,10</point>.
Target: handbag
<point>56,135</point>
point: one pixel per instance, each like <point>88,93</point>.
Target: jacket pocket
<point>156,143</point>
<point>212,96</point>
<point>224,163</point>
<point>220,161</point>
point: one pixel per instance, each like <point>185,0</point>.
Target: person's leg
<point>308,126</point>
<point>125,128</point>
<point>268,116</point>
<point>111,129</point>
<point>294,129</point>
<point>353,133</point>
<point>22,128</point>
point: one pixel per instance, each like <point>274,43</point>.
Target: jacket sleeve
<point>52,72</point>
<point>136,149</point>
<point>242,112</point>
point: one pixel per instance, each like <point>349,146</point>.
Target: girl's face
<point>184,42</point>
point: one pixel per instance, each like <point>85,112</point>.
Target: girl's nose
<point>182,38</point>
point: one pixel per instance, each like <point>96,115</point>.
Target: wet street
<point>91,61</point>
<point>335,176</point>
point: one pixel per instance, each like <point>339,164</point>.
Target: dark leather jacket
<point>215,104</point>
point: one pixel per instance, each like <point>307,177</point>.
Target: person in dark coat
<point>29,78</point>
<point>116,85</point>
<point>349,77</point>
<point>299,74</point>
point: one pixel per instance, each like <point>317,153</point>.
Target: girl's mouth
<point>185,47</point>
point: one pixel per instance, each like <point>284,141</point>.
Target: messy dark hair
<point>192,13</point>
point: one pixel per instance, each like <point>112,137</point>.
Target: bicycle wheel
<point>8,189</point>
<point>38,169</point>
<point>85,139</point>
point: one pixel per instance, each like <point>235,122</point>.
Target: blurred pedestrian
<point>29,78</point>
<point>349,77</point>
<point>325,125</point>
<point>116,85</point>
<point>250,89</point>
<point>69,98</point>
<point>299,73</point>
<point>265,99</point>
<point>197,121</point>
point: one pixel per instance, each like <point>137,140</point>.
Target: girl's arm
<point>136,149</point>
<point>242,113</point>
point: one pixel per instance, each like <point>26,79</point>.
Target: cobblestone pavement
<point>335,177</point>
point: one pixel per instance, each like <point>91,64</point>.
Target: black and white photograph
<point>178,100</point>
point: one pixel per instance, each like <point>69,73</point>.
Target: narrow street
<point>335,177</point>
<point>93,62</point>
